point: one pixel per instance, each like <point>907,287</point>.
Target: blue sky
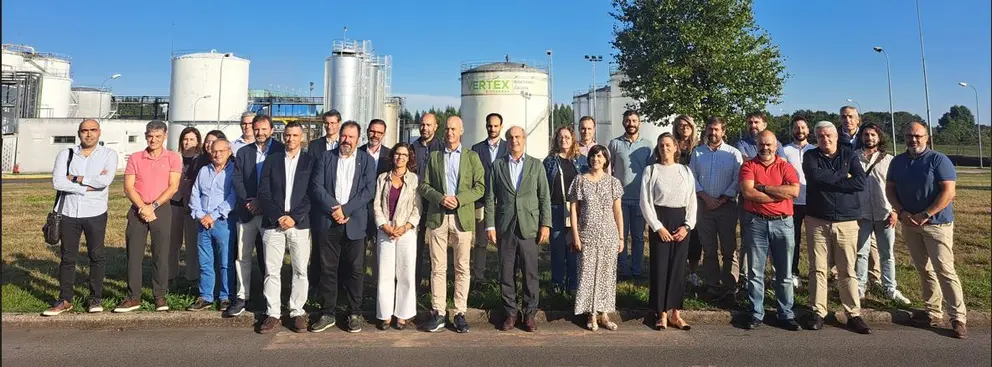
<point>826,44</point>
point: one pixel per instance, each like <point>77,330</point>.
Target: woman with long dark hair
<point>562,166</point>
<point>684,131</point>
<point>183,224</point>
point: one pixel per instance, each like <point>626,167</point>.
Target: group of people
<point>413,201</point>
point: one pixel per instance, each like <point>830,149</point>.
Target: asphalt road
<point>557,344</point>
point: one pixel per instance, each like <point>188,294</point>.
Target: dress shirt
<point>345,179</point>
<point>717,171</point>
<point>213,193</point>
<point>584,149</point>
<point>452,163</point>
<point>237,144</point>
<point>291,164</point>
<point>794,154</point>
<point>375,155</point>
<point>516,169</point>
<point>260,158</point>
<point>493,150</point>
<point>98,172</point>
<point>331,144</point>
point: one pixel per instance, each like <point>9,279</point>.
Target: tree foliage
<point>696,57</point>
<point>957,126</point>
<point>563,115</point>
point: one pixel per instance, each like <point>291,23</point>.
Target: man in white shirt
<point>793,153</point>
<point>587,134</point>
<point>82,175</point>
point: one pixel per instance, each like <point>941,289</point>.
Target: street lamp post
<point>978,122</point>
<point>194,105</point>
<point>526,96</point>
<point>102,86</point>
<point>594,59</point>
<point>551,93</point>
<point>888,72</point>
<point>850,100</point>
<point>926,85</point>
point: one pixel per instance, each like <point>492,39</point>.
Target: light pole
<point>594,59</point>
<point>526,96</point>
<point>926,86</point>
<point>888,72</point>
<point>978,122</point>
<point>198,101</point>
<point>849,100</point>
<point>102,85</point>
<point>551,93</point>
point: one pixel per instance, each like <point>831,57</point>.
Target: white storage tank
<point>620,102</point>
<point>55,93</point>
<point>515,90</point>
<point>12,60</point>
<point>391,115</point>
<point>342,80</point>
<point>221,76</point>
<point>90,102</point>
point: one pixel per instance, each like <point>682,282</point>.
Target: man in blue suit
<point>342,185</point>
<point>489,151</point>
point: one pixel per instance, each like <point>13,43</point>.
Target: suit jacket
<point>317,147</point>
<point>385,164</point>
<point>482,148</point>
<point>322,193</point>
<point>529,207</point>
<point>246,177</point>
<point>272,191</point>
<point>471,187</point>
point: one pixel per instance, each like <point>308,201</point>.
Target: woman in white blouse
<point>668,203</point>
<point>397,212</point>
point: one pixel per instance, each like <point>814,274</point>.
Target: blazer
<point>385,164</point>
<point>471,187</point>
<point>322,195</point>
<point>317,147</point>
<point>407,207</point>
<point>529,207</point>
<point>482,148</point>
<point>246,178</point>
<point>272,191</point>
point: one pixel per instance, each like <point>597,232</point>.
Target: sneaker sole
<point>436,329</point>
<point>462,331</point>
<point>316,330</point>
<point>355,330</point>
<point>53,313</point>
<point>95,310</point>
<point>126,309</point>
<point>162,308</point>
<point>233,314</point>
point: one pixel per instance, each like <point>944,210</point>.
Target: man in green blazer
<point>518,205</point>
<point>453,181</point>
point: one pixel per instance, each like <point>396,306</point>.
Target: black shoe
<point>224,305</point>
<point>199,305</point>
<point>815,322</point>
<point>790,325</point>
<point>383,325</point>
<point>323,323</point>
<point>461,325</point>
<point>236,308</point>
<point>858,325</point>
<point>354,323</point>
<point>753,324</point>
<point>435,323</point>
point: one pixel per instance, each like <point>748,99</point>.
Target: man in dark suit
<point>342,185</point>
<point>381,156</point>
<point>489,151</point>
<point>520,199</point>
<point>316,148</point>
<point>248,167</point>
<point>286,219</point>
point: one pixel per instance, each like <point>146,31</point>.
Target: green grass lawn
<point>29,282</point>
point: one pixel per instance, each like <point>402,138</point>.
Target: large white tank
<point>517,91</point>
<point>90,102</point>
<point>47,64</point>
<point>391,115</point>
<point>222,76</point>
<point>620,102</point>
<point>55,93</point>
<point>232,129</point>
<point>11,60</point>
<point>343,84</point>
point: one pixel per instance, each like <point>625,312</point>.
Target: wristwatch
<point>75,179</point>
<point>760,187</point>
<point>155,205</point>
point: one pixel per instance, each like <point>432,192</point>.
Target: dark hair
<point>716,120</point>
<point>758,114</point>
<point>627,113</point>
<point>260,118</point>
<point>187,130</point>
<point>597,149</point>
<point>293,124</point>
<point>411,163</point>
<point>377,121</point>
<point>882,144</point>
<point>589,118</point>
<point>798,118</point>
<point>331,113</point>
<point>350,123</point>
<point>496,115</point>
<point>657,147</point>
<point>156,125</point>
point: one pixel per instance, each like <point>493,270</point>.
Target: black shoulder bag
<point>52,229</point>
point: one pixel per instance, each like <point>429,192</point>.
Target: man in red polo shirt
<point>768,185</point>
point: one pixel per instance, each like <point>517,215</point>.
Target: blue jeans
<point>885,238</point>
<point>564,266</point>
<point>218,239</point>
<point>633,231</point>
<point>776,237</point>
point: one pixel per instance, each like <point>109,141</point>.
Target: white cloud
<point>424,102</point>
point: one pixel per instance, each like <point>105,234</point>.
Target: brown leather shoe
<point>58,308</point>
<point>531,324</point>
<point>300,323</point>
<point>268,325</point>
<point>161,304</point>
<point>960,330</point>
<point>509,323</point>
<point>128,305</point>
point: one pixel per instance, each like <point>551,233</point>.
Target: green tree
<point>563,115</point>
<point>697,57</point>
<point>960,114</point>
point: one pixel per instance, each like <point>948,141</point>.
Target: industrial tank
<point>342,80</point>
<point>11,60</point>
<point>90,102</point>
<point>391,115</point>
<point>221,76</point>
<point>518,91</point>
<point>620,102</point>
<point>55,93</point>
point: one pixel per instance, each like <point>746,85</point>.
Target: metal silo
<point>391,115</point>
<point>342,83</point>
<point>518,91</point>
<point>12,60</point>
<point>208,89</point>
<point>618,103</point>
<point>56,81</point>
<point>90,102</point>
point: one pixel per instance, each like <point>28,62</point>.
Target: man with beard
<point>755,122</point>
<point>877,216</point>
<point>768,185</point>
<point>489,150</point>
<point>920,185</point>
<point>382,158</point>
<point>850,121</point>
<point>716,166</point>
<point>332,123</point>
<point>422,147</point>
<point>834,179</point>
<point>247,132</point>
<point>630,154</point>
<point>793,153</point>
<point>341,187</point>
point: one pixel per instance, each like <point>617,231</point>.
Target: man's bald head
<point>916,137</point>
<point>767,134</point>
<point>428,126</point>
<point>89,133</point>
<point>767,145</point>
<point>516,140</point>
<point>453,131</point>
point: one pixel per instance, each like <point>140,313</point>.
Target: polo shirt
<point>919,182</point>
<point>628,159</point>
<point>780,172</point>
<point>151,174</point>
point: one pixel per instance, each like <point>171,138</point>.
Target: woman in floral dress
<point>595,200</point>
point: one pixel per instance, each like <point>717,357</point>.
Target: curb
<point>184,319</point>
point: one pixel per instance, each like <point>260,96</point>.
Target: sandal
<point>662,322</point>
<point>680,324</point>
<point>605,320</point>
<point>592,324</point>
<point>400,324</point>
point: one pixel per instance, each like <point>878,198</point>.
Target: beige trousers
<point>931,247</point>
<point>450,234</point>
<point>839,239</point>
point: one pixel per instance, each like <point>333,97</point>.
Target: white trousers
<point>397,292</point>
<point>242,258</point>
<point>276,241</point>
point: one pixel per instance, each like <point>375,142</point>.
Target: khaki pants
<point>449,234</point>
<point>933,255</point>
<point>841,240</point>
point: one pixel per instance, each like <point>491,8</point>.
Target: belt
<point>769,217</point>
<point>451,211</point>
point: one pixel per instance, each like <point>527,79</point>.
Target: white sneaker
<point>897,296</point>
<point>694,280</point>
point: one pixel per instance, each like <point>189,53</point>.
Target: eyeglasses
<point>915,137</point>
<point>401,155</point>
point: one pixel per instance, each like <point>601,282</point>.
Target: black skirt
<point>668,263</point>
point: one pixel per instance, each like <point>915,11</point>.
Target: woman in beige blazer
<point>397,213</point>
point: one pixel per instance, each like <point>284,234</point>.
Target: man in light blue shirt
<point>716,167</point>
<point>82,175</point>
<point>452,159</point>
<point>755,122</point>
<point>247,133</point>
<point>630,154</point>
<point>211,202</point>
